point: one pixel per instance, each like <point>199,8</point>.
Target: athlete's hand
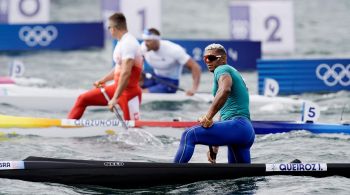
<point>99,83</point>
<point>190,92</point>
<point>112,103</point>
<point>205,122</point>
<point>212,158</point>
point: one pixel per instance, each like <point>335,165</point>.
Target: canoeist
<point>127,72</point>
<point>167,60</point>
<point>232,100</point>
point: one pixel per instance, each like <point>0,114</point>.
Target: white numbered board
<point>271,87</point>
<point>28,11</point>
<point>271,22</point>
<point>310,112</point>
<point>141,14</point>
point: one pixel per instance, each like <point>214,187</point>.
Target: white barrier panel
<point>29,11</point>
<point>140,14</point>
<point>16,69</point>
<point>271,22</point>
<point>4,8</point>
<point>109,7</point>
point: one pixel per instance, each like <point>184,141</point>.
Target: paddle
<point>115,110</point>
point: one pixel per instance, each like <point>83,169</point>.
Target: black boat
<point>118,174</point>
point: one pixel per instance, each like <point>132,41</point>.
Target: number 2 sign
<point>270,22</point>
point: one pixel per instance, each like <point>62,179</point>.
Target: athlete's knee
<point>188,136</point>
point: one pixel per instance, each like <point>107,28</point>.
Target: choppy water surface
<point>321,31</point>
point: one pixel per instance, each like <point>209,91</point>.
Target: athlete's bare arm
<point>108,77</point>
<point>225,84</point>
<point>196,76</point>
<point>123,81</point>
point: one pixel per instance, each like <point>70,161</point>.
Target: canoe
<point>62,99</point>
<point>49,127</point>
<point>120,174</point>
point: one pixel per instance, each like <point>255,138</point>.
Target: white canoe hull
<point>63,99</point>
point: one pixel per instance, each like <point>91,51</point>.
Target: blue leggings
<point>159,84</point>
<point>237,134</point>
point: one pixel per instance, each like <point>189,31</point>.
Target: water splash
<point>135,137</point>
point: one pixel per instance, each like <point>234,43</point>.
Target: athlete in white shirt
<point>167,60</point>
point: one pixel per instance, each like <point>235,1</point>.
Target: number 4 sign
<point>270,22</point>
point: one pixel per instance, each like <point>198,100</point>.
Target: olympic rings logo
<point>331,76</point>
<point>38,35</point>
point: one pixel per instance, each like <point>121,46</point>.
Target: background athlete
<point>167,60</point>
<point>232,100</point>
<point>126,74</point>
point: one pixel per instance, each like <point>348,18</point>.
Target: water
<point>321,28</point>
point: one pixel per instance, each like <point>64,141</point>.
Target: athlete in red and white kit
<point>125,91</point>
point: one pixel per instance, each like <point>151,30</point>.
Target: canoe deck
<point>119,174</point>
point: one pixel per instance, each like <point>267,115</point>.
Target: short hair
<point>218,47</point>
<point>154,31</point>
<point>119,20</point>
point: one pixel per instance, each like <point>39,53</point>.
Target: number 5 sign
<point>270,22</point>
<point>310,112</point>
